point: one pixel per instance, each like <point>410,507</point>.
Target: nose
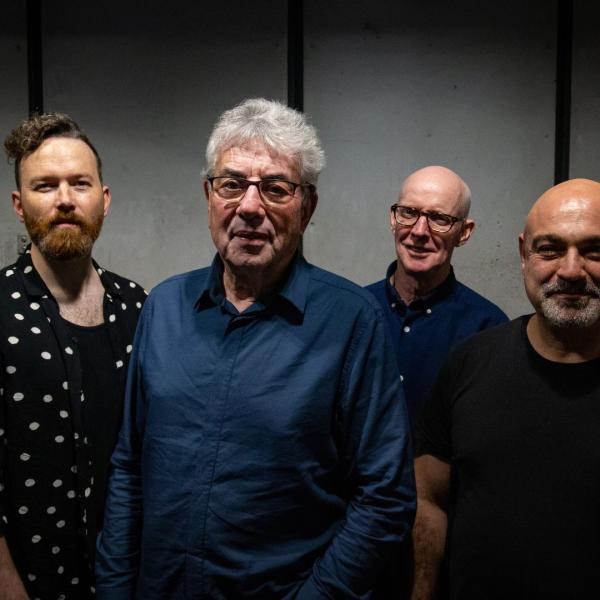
<point>421,227</point>
<point>64,197</point>
<point>571,267</point>
<point>251,206</point>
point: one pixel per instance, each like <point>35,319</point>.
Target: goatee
<point>63,243</point>
<point>580,312</point>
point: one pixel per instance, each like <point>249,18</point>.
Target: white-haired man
<point>508,453</point>
<point>265,451</point>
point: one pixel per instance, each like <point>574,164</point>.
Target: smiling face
<point>61,199</point>
<point>425,255</point>
<point>560,255</point>
<point>253,239</point>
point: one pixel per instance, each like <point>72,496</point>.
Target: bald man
<point>427,310</point>
<point>508,452</point>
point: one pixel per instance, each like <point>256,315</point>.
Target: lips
<point>63,221</point>
<point>417,249</point>
<point>251,235</point>
<point>570,290</point>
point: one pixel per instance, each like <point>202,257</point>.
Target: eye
<point>440,219</point>
<point>592,252</point>
<point>42,186</point>
<point>276,189</point>
<point>82,184</point>
<point>233,185</point>
<point>406,212</point>
<point>547,250</point>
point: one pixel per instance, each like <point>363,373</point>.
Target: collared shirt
<point>264,454</point>
<point>46,474</point>
<point>424,331</point>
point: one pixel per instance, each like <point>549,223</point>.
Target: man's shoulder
<point>342,289</point>
<point>492,339</point>
<point>126,287</point>
<point>468,296</point>
<point>12,282</point>
<point>190,282</point>
<point>378,287</point>
<point>6,273</point>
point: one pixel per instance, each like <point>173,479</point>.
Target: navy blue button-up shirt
<point>424,331</point>
<point>264,454</point>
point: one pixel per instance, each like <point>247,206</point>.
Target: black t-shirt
<point>102,408</point>
<point>523,436</point>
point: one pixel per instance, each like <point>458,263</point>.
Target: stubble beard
<point>577,312</point>
<point>63,243</point>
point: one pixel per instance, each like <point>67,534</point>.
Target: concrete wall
<point>13,108</point>
<point>391,86</point>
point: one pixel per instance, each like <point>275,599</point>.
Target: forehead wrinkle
<point>241,161</point>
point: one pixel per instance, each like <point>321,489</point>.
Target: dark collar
<point>439,293</point>
<point>35,287</point>
<point>292,291</point>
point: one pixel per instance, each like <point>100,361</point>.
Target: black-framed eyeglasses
<point>407,216</point>
<point>274,191</point>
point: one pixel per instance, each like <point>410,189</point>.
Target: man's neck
<point>244,287</point>
<point>412,286</point>
<point>564,345</point>
<point>74,284</point>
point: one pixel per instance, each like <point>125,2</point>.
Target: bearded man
<point>507,447</point>
<point>67,328</point>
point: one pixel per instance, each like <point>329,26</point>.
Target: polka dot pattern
<point>40,375</point>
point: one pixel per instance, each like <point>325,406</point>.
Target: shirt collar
<point>35,286</point>
<point>439,293</point>
<point>292,291</point>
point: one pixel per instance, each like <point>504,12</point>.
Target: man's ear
<point>522,250</point>
<point>465,232</point>
<point>393,222</point>
<point>17,206</point>
<point>205,185</point>
<point>309,203</point>
<point>107,199</point>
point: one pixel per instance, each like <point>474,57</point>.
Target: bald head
<point>560,256</point>
<point>424,247</point>
<point>439,180</point>
<point>575,199</point>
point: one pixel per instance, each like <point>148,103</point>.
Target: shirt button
<point>393,305</point>
<point>406,329</point>
<point>401,377</point>
<point>428,311</point>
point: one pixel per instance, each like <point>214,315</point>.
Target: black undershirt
<point>522,434</point>
<point>102,406</point>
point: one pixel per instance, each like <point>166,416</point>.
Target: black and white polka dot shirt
<point>46,470</point>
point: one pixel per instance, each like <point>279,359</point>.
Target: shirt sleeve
<point>118,548</point>
<point>3,517</point>
<point>377,460</point>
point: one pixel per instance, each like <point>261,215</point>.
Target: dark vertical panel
<point>295,55</point>
<point>34,56</point>
<point>564,49</point>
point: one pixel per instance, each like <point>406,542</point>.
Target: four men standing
<point>265,445</point>
<point>67,330</point>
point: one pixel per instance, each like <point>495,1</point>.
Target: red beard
<point>63,243</point>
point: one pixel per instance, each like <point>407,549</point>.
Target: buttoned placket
<point>235,331</point>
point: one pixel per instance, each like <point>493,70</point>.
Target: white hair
<point>281,128</point>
